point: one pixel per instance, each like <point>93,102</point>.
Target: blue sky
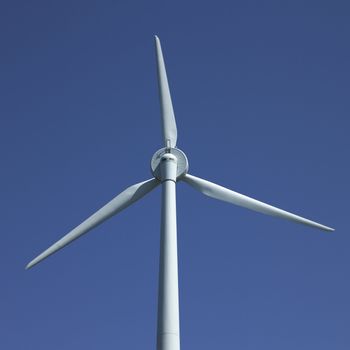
<point>261,96</point>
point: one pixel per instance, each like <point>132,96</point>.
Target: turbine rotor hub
<point>169,154</point>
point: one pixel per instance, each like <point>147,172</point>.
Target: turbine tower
<point>169,165</point>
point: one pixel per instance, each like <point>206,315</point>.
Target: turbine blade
<point>168,117</point>
<point>218,192</point>
<point>120,202</point>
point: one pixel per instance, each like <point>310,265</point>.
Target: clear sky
<point>261,96</point>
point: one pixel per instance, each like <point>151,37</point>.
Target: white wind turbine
<point>168,165</point>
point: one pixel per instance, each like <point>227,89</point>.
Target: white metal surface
<point>168,164</point>
<point>182,162</point>
<point>120,202</point>
<point>167,111</point>
<point>168,332</point>
<point>218,192</point>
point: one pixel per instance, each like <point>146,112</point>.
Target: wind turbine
<point>169,165</point>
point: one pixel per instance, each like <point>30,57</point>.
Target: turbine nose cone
<point>168,156</point>
<point>163,157</point>
<point>168,167</point>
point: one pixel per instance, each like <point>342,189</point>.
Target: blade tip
<point>327,228</point>
<point>31,264</point>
